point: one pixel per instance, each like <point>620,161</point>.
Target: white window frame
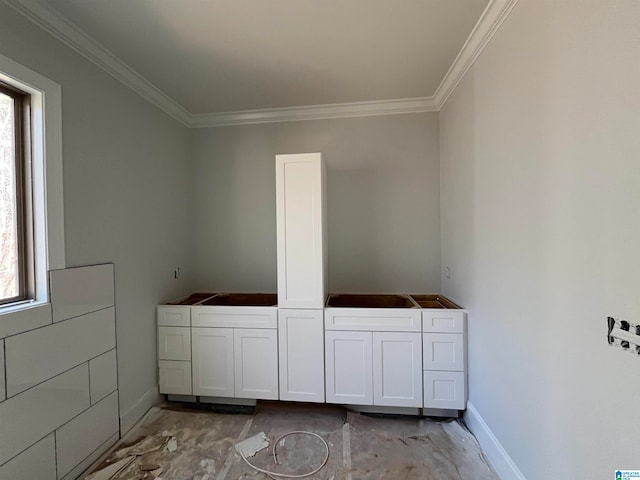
<point>48,199</point>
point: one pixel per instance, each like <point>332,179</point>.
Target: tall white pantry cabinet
<point>302,274</point>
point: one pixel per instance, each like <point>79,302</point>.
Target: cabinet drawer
<point>372,319</point>
<point>174,316</point>
<point>443,351</point>
<point>235,317</point>
<point>174,343</point>
<point>443,321</point>
<point>446,390</point>
<point>175,377</point>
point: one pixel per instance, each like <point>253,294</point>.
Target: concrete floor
<point>361,447</point>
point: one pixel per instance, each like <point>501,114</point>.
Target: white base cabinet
<point>174,350</point>
<point>374,368</point>
<point>235,363</point>
<point>353,356</point>
<point>235,351</point>
<point>301,355</point>
<point>445,359</point>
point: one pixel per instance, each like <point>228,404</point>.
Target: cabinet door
<point>397,369</point>
<point>256,363</point>
<point>301,355</point>
<point>175,377</point>
<point>174,343</point>
<point>300,231</point>
<point>444,351</point>
<point>447,390</point>
<point>212,352</point>
<point>349,357</point>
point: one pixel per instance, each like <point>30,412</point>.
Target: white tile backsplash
<point>85,433</point>
<point>74,473</point>
<point>77,291</point>
<point>59,378</point>
<point>33,414</point>
<point>35,356</point>
<point>38,462</point>
<point>26,319</point>
<point>103,376</point>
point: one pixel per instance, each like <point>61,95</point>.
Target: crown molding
<point>315,112</point>
<point>69,34</point>
<point>485,28</point>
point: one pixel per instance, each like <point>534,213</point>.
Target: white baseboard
<point>500,460</point>
<point>129,417</point>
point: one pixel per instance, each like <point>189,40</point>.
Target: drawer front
<point>443,321</point>
<point>174,316</point>
<point>443,351</point>
<point>446,390</point>
<point>373,319</point>
<point>174,343</point>
<point>175,377</point>
<point>235,317</point>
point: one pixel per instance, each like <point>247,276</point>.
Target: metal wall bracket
<point>623,334</point>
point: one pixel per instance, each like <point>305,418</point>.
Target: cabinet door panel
<point>256,363</point>
<point>174,343</point>
<point>443,321</point>
<point>444,351</point>
<point>397,369</point>
<point>212,350</point>
<point>175,377</point>
<point>348,357</point>
<point>174,316</point>
<point>447,390</point>
<point>301,355</point>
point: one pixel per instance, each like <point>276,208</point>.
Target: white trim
<point>55,23</point>
<point>487,25</point>
<point>493,449</point>
<point>46,135</point>
<point>315,112</point>
<point>71,35</point>
<point>130,417</point>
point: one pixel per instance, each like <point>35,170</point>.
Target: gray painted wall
<point>540,192</point>
<point>383,202</point>
<point>127,186</point>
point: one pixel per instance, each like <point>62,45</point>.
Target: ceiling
<point>212,56</point>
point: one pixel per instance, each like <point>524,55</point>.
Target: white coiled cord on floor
<point>277,476</point>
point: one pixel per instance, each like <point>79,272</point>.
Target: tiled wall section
<point>58,382</point>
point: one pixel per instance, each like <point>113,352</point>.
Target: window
<point>16,235</point>
<point>31,200</point>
